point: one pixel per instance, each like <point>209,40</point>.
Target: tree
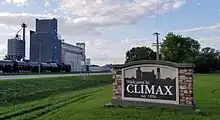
<point>140,53</point>
<point>208,60</point>
<point>176,48</point>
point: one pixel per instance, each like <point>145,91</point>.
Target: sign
<point>150,83</point>
<point>154,83</point>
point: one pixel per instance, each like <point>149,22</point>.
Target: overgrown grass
<point>18,91</point>
<point>88,104</point>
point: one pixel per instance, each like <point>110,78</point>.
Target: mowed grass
<point>72,98</point>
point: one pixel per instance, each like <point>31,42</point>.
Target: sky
<point>111,27</point>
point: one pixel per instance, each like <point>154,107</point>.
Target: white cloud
<point>77,17</point>
<point>18,18</point>
<point>92,17</point>
<point>17,2</point>
<point>4,33</point>
<point>178,4</point>
<point>65,28</point>
<point>200,29</point>
<point>3,48</point>
<point>109,51</point>
<point>46,3</point>
<point>212,41</point>
<point>107,12</point>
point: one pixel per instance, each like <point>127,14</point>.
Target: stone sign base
<point>185,108</point>
<point>126,104</point>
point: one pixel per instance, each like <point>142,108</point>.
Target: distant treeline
<point>180,49</point>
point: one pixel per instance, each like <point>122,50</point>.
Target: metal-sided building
<point>73,55</point>
<point>44,43</point>
<point>16,47</point>
<point>45,46</point>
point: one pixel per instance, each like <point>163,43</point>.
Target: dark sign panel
<point>150,85</point>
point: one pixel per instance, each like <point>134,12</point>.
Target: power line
<point>157,44</point>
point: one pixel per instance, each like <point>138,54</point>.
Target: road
<point>12,77</point>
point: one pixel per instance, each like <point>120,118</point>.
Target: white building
<point>96,68</point>
<point>73,55</point>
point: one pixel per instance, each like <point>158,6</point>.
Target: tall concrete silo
<point>82,45</point>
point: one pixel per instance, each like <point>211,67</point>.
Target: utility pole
<point>39,67</point>
<point>24,27</point>
<point>157,45</point>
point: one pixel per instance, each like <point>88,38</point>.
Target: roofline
<point>160,62</point>
<point>71,45</point>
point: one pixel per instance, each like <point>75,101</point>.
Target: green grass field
<point>42,73</point>
<point>35,73</point>
<point>72,98</point>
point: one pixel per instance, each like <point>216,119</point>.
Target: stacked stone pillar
<point>117,85</point>
<point>186,86</point>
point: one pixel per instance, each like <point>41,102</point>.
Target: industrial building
<point>73,55</point>
<point>97,68</point>
<point>16,46</point>
<point>44,43</point>
<point>45,46</point>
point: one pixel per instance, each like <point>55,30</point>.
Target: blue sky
<point>110,29</point>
